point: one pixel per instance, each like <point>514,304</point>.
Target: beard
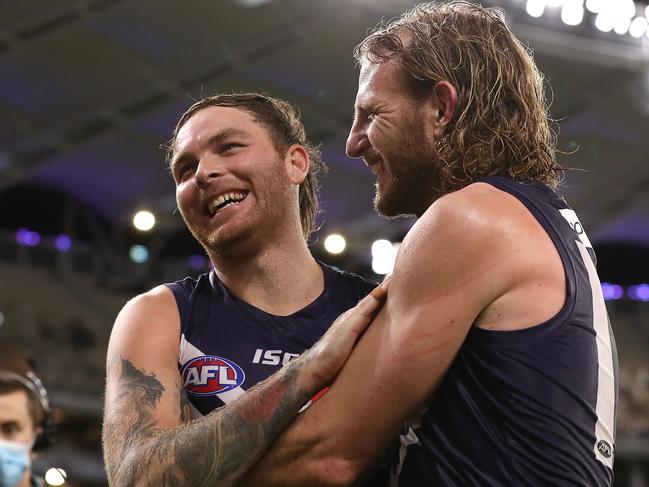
<point>410,173</point>
<point>259,224</point>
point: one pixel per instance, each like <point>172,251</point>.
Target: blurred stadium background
<point>90,89</point>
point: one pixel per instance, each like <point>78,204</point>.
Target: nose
<point>357,141</point>
<point>207,170</point>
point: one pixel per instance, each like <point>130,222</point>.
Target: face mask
<point>14,460</point>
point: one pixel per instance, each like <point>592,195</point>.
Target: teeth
<point>232,197</point>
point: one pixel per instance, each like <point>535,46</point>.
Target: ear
<point>441,105</point>
<point>297,163</point>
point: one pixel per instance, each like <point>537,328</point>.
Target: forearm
<point>214,450</point>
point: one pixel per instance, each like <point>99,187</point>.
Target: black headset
<point>33,384</point>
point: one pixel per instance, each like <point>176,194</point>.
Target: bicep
<point>439,286</point>
<point>143,389</point>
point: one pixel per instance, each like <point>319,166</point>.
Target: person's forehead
<point>14,406</point>
<point>210,120</point>
<point>382,77</point>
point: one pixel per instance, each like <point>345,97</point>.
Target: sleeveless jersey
<point>532,407</point>
<point>228,345</point>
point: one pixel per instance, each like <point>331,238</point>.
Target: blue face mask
<point>14,460</point>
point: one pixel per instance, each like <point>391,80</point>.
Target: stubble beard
<point>412,178</point>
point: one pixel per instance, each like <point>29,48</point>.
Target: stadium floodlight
<point>604,21</point>
<point>626,9</point>
<point>572,12</point>
<point>384,253</point>
<point>335,243</point>
<point>595,6</point>
<point>638,27</point>
<point>621,25</point>
<point>535,8</point>
<point>144,220</point>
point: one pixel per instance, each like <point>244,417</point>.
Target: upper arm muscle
<point>444,276</point>
<point>143,390</point>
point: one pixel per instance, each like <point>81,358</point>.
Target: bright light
<point>55,476</point>
<point>638,27</point>
<point>144,221</point>
<point>604,21</point>
<point>612,291</point>
<point>63,243</point>
<point>384,253</point>
<point>27,237</point>
<point>639,292</point>
<point>646,12</point>
<point>621,25</point>
<point>626,8</point>
<point>572,13</point>
<point>138,254</point>
<point>535,8</point>
<point>335,244</point>
<point>595,6</point>
<point>554,3</point>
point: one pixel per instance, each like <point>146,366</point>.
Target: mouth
<point>224,200</point>
<point>374,163</point>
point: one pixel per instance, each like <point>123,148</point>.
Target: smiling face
<point>232,186</point>
<point>392,133</point>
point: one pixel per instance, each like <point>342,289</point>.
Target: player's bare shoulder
<point>146,322</point>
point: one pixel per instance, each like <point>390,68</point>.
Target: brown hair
<point>8,385</point>
<point>501,124</point>
<point>283,123</point>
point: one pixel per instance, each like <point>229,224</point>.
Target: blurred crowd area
<point>633,412</point>
<point>61,315</point>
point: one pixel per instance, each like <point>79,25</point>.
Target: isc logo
<point>209,375</point>
<point>272,357</point>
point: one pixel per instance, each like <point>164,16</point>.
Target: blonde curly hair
<point>501,124</point>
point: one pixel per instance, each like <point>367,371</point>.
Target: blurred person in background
<point>493,354</point>
<point>26,427</point>
<point>182,357</point>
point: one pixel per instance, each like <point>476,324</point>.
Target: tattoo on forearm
<point>214,450</point>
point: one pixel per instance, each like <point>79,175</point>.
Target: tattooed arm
<point>147,436</point>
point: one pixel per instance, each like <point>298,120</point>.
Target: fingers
<point>372,303</point>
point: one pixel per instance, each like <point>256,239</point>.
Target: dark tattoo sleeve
<point>214,450</point>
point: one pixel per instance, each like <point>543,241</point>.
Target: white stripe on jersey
<point>186,352</point>
<point>410,438</point>
<point>605,408</point>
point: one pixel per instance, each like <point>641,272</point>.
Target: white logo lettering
<point>192,377</point>
<point>575,224</point>
<point>223,377</point>
<point>273,357</point>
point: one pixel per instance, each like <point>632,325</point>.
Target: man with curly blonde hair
<point>493,355</point>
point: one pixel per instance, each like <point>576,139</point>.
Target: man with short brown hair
<point>24,411</point>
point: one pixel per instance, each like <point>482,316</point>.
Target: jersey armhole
<point>550,326</point>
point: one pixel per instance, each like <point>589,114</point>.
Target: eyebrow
<point>212,141</point>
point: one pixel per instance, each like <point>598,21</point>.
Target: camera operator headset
<point>16,444</point>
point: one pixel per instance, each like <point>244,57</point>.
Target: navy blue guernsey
<point>227,345</point>
<point>532,407</point>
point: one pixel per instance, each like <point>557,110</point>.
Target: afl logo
<point>210,375</point>
<point>605,449</point>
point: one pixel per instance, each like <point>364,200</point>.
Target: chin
<point>392,205</point>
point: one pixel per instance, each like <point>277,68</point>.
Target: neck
<point>26,480</point>
<point>280,278</point>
